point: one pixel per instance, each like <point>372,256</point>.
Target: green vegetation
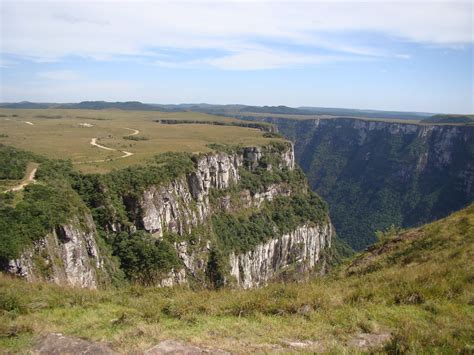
<point>37,214</point>
<point>281,216</point>
<point>268,128</point>
<point>415,286</point>
<point>51,117</point>
<point>135,138</point>
<point>13,162</point>
<point>144,259</point>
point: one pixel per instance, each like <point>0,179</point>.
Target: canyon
<point>375,174</point>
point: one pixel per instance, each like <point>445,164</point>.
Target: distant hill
<point>450,119</point>
<point>25,105</point>
<point>103,105</point>
<point>233,110</point>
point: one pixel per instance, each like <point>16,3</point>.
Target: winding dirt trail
<point>125,153</point>
<point>29,179</point>
<point>135,131</point>
<point>94,143</point>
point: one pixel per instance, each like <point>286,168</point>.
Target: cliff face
<point>184,204</point>
<point>69,255</point>
<point>163,233</point>
<point>301,248</point>
<point>374,174</point>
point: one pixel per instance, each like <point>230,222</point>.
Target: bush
<point>13,162</point>
<point>144,259</point>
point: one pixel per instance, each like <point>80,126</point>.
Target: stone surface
<point>67,256</point>
<point>178,347</point>
<point>302,246</point>
<point>366,341</point>
<point>57,343</point>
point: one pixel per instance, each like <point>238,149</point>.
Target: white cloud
<point>5,63</point>
<point>107,29</point>
<point>59,75</point>
<point>266,59</point>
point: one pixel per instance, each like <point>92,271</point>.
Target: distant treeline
<point>261,126</point>
<point>450,119</point>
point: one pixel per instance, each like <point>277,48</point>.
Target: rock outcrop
<point>184,203</point>
<point>302,248</point>
<point>69,255</point>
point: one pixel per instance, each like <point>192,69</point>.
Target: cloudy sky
<point>394,55</point>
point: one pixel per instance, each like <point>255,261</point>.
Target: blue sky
<point>397,55</point>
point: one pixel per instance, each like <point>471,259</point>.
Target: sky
<point>389,55</point>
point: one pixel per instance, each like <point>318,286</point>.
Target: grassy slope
<point>57,134</point>
<point>418,286</point>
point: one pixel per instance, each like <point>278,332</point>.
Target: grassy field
<point>61,134</point>
<point>415,286</point>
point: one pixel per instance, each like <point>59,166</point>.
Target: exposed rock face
<point>301,247</point>
<point>67,256</point>
<point>217,171</point>
<point>168,208</point>
<point>184,203</point>
<point>172,207</point>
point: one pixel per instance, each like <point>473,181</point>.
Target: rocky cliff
<point>301,248</point>
<point>184,204</point>
<point>67,255</point>
<point>250,206</point>
<point>374,174</point>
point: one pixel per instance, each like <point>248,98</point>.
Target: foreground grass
<point>418,287</point>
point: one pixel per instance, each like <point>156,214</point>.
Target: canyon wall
<point>374,174</point>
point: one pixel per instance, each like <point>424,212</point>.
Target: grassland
<point>416,286</point>
<point>61,134</point>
